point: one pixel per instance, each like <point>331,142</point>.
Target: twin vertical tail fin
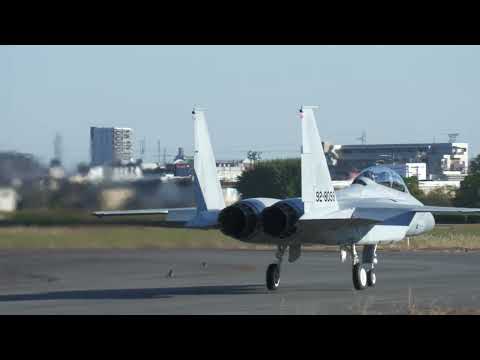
<point>208,192</point>
<point>318,194</point>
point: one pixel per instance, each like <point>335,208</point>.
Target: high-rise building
<point>110,145</point>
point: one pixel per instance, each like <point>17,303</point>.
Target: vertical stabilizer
<point>318,194</point>
<point>208,192</point>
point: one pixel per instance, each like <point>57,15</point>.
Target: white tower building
<point>109,145</point>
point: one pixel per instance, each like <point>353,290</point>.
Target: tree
<point>475,165</point>
<point>55,163</point>
<point>469,193</point>
<point>272,178</point>
<point>83,169</point>
<point>438,197</point>
<point>413,188</point>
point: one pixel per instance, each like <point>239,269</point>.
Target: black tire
<point>371,278</point>
<point>273,277</point>
<point>359,276</point>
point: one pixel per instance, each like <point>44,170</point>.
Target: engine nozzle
<point>279,220</point>
<point>238,221</point>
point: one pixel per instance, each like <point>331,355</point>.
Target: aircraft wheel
<point>273,276</point>
<point>359,277</point>
<point>371,278</point>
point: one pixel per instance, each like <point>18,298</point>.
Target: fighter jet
<point>376,208</point>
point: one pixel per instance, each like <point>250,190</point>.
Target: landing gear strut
<point>273,270</point>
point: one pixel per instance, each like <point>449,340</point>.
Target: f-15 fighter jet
<point>376,208</point>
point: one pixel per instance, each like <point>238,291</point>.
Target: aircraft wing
<point>439,210</point>
<point>403,213</point>
<point>376,213</point>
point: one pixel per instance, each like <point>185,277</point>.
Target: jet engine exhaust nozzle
<point>238,221</point>
<point>279,220</point>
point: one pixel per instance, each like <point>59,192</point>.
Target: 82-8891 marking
<point>324,196</point>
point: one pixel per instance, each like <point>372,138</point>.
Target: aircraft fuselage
<point>357,202</point>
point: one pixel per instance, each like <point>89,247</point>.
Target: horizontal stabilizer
<point>131,212</point>
<point>141,212</point>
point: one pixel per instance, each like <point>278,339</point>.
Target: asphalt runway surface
<point>229,282</point>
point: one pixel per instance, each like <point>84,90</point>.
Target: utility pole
<point>142,149</point>
<point>159,152</point>
<point>363,138</point>
<point>164,156</point>
<point>58,147</point>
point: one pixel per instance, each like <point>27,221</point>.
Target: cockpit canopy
<point>384,176</point>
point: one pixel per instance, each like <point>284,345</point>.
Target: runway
<point>229,282</point>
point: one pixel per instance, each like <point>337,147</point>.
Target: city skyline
<point>396,94</point>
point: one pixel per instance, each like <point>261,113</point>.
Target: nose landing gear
<point>359,276</point>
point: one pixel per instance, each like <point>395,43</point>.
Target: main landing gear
<point>273,270</point>
<point>273,276</point>
<point>363,273</point>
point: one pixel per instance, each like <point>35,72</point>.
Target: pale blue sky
<point>396,94</point>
